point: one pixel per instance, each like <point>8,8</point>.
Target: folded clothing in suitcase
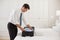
<point>28,32</point>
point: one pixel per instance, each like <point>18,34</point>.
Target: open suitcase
<point>28,33</point>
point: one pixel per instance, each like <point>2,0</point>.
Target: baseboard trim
<point>4,38</point>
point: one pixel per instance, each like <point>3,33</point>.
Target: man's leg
<point>12,31</point>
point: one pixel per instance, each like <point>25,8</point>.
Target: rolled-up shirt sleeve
<point>25,20</point>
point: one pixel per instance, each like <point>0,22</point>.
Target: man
<point>16,21</point>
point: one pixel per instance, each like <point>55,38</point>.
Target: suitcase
<point>28,33</point>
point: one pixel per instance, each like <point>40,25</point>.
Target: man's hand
<point>29,26</point>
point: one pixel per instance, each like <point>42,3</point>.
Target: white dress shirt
<point>15,17</point>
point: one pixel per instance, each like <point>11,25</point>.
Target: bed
<point>41,34</point>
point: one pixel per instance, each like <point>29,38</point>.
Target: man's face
<point>23,9</point>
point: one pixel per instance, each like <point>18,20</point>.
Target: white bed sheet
<point>41,34</point>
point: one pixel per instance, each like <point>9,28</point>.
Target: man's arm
<point>22,29</point>
<point>25,20</point>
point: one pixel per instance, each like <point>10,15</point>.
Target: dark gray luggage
<point>28,33</point>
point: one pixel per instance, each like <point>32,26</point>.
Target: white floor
<point>41,34</point>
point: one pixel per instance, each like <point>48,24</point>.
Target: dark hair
<point>26,6</point>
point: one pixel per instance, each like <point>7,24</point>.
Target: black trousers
<point>12,30</point>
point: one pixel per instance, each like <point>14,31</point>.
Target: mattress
<point>41,34</point>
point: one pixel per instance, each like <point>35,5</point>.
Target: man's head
<point>25,8</point>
